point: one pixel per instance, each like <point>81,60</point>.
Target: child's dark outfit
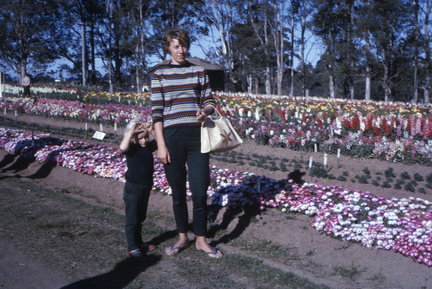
<point>139,182</point>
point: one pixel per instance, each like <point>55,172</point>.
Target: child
<point>138,148</point>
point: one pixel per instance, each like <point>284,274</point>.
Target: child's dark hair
<point>175,33</point>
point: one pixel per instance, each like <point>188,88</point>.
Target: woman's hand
<point>163,154</point>
<point>203,113</point>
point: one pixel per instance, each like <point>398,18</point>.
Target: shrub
<point>418,177</point>
<point>389,173</point>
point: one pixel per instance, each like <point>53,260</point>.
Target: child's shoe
<point>136,254</point>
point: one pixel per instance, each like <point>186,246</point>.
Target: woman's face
<point>178,52</point>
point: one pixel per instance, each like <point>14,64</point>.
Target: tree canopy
<point>369,49</point>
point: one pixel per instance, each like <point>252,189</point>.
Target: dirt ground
<point>295,246</point>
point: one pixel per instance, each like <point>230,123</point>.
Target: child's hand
<point>138,127</point>
<point>147,125</point>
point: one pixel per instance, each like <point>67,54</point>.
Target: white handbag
<point>218,135</point>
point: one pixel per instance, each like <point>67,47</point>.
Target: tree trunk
<point>427,50</point>
<point>367,83</point>
<point>292,53</point>
<point>415,82</point>
<point>137,70</point>
<point>92,50</point>
<point>83,54</point>
<point>416,51</point>
<point>331,86</point>
<point>385,86</point>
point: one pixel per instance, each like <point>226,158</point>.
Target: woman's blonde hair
<point>175,33</point>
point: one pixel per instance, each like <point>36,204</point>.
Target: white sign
<point>99,135</point>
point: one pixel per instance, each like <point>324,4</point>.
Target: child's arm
<point>125,143</point>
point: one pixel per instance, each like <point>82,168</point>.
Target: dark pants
<point>184,144</point>
<point>27,91</point>
<point>136,197</point>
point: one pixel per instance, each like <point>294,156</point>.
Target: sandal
<point>213,254</point>
<point>171,251</point>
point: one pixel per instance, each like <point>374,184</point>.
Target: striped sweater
<point>178,91</point>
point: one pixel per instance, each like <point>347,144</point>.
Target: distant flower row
<point>65,93</point>
<point>394,133</point>
<point>76,110</point>
<point>401,225</point>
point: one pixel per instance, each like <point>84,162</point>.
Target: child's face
<point>142,139</point>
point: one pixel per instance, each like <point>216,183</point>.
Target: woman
<point>181,100</point>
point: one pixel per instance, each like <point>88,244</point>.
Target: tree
<point>388,22</point>
<point>304,12</point>
<point>24,41</point>
<point>278,29</point>
<point>426,9</point>
<point>334,23</point>
<point>258,17</point>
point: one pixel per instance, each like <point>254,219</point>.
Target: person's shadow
<point>20,164</point>
<point>246,214</point>
<point>46,168</point>
<point>8,159</point>
<point>123,273</point>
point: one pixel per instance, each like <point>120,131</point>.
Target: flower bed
<point>395,132</point>
<point>402,225</point>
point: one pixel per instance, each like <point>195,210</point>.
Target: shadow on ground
<point>119,277</point>
<point>245,215</point>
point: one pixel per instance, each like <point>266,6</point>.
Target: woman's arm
<point>162,152</point>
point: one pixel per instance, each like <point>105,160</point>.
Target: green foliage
<point>389,173</point>
<point>405,176</point>
<point>418,177</point>
<point>409,187</point>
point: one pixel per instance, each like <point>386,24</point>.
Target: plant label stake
<point>338,158</point>
<point>16,115</point>
<point>310,162</point>
<point>4,111</point>
<point>325,161</point>
<point>100,127</point>
<point>315,147</point>
<point>115,128</point>
<point>32,134</point>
